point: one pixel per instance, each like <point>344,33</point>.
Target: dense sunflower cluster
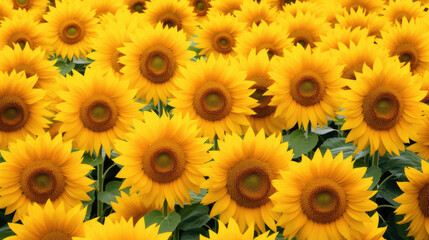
<point>214,119</point>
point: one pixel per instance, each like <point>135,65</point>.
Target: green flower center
<point>72,31</point>
<point>138,7</point>
<point>164,160</point>
<point>99,111</point>
<point>157,62</point>
<point>253,182</point>
<point>214,100</point>
<point>308,88</point>
<point>11,113</point>
<point>406,57</point>
<point>21,2</point>
<point>324,199</point>
<point>42,180</point>
<point>200,6</point>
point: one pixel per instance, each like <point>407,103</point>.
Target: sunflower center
<point>349,72</point>
<point>98,113</point>
<point>212,101</point>
<point>249,183</point>
<point>200,6</point>
<point>170,20</point>
<point>262,110</point>
<point>14,113</point>
<point>21,39</point>
<point>382,108</point>
<point>302,37</point>
<point>307,88</point>
<point>164,161</point>
<point>407,53</point>
<point>223,42</point>
<point>323,200</point>
<point>22,4</point>
<point>157,64</point>
<point>42,180</point>
<point>424,200</point>
<point>114,60</point>
<point>71,31</point>
<point>137,6</point>
<point>56,236</point>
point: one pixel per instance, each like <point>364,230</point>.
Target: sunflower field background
<point>214,119</point>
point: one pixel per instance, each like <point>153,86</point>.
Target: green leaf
<point>166,224</point>
<point>82,61</point>
<point>194,234</point>
<point>337,145</point>
<point>323,131</point>
<point>88,159</point>
<point>196,198</point>
<point>302,144</point>
<point>67,68</point>
<point>375,173</point>
<point>113,187</point>
<point>107,197</point>
<point>389,191</point>
<point>193,216</point>
<point>396,164</point>
<point>149,106</point>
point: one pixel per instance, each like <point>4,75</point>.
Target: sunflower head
<point>324,193</point>
<point>5,10</point>
<point>395,11</point>
<point>359,18</point>
<point>103,7</point>
<point>225,7</point>
<point>366,5</point>
<point>338,35</point>
<point>42,169</point>
<point>201,8</point>
<point>241,176</point>
<point>36,8</point>
<point>133,206</point>
<point>216,94</point>
<point>253,13</point>
<point>233,232</point>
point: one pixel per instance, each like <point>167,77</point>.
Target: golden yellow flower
<point>307,88</point>
<point>372,231</point>
<point>241,176</point>
<point>361,19</point>
<point>218,35</point>
<point>36,170</point>
<point>5,10</point>
<point>323,198</point>
<point>133,206</point>
<point>332,38</point>
<point>172,14</point>
<point>232,232</point>
<point>35,8</point>
<point>225,6</point>
<point>70,27</point>
<point>366,5</point>
<point>97,109</point>
<point>31,62</point>
<point>152,61</point>
<point>102,7</point>
<point>21,28</point>
<point>322,8</point>
<point>59,222</point>
<point>280,4</point>
<point>382,107</point>
<point>252,12</point>
<point>398,9</point>
<point>271,37</point>
<point>163,159</point>
<point>415,201</point>
<point>201,8</point>
<point>216,94</point>
<point>138,6</point>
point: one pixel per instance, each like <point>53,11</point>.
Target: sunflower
<point>31,62</point>
<point>332,38</point>
<point>409,43</point>
<point>163,159</point>
<point>225,6</point>
<point>152,60</point>
<point>36,8</point>
<point>354,56</point>
<point>307,87</point>
<point>22,108</point>
<point>271,37</point>
<point>218,35</point>
<point>415,201</point>
<point>304,29</point>
<point>252,12</point>
<point>70,27</point>
<point>382,107</point>
<point>138,6</point>
<point>97,109</point>
<point>372,231</point>
<point>425,86</point>
<point>366,5</point>
<point>21,28</point>
<point>325,198</point>
<point>115,32</point>
<point>133,206</point>
<point>58,222</point>
<point>215,94</point>
<point>102,7</point>
<point>232,232</point>
<point>360,19</point>
<point>241,176</point>
<point>36,170</point>
<point>396,10</point>
<point>5,10</point>
<point>421,145</point>
<point>122,230</point>
<point>257,67</point>
<point>324,9</point>
<point>280,4</point>
<point>172,14</point>
<point>201,8</point>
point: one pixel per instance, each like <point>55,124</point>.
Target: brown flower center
<point>307,88</point>
<point>157,64</point>
<point>137,6</point>
<point>262,110</point>
<point>201,7</point>
<point>14,113</point>
<point>98,113</point>
<point>212,101</point>
<point>170,20</point>
<point>26,4</point>
<point>21,39</point>
<point>42,180</point>
<point>302,37</point>
<point>382,108</point>
<point>164,161</point>
<point>56,236</point>
<point>407,53</point>
<point>424,200</point>
<point>249,183</point>
<point>223,42</point>
<point>71,31</point>
<point>323,200</point>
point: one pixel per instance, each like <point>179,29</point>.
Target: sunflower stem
<point>160,108</point>
<point>165,209</point>
<point>381,184</point>
<point>386,206</point>
<point>375,159</point>
<point>215,145</point>
<point>100,181</point>
<point>176,234</point>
